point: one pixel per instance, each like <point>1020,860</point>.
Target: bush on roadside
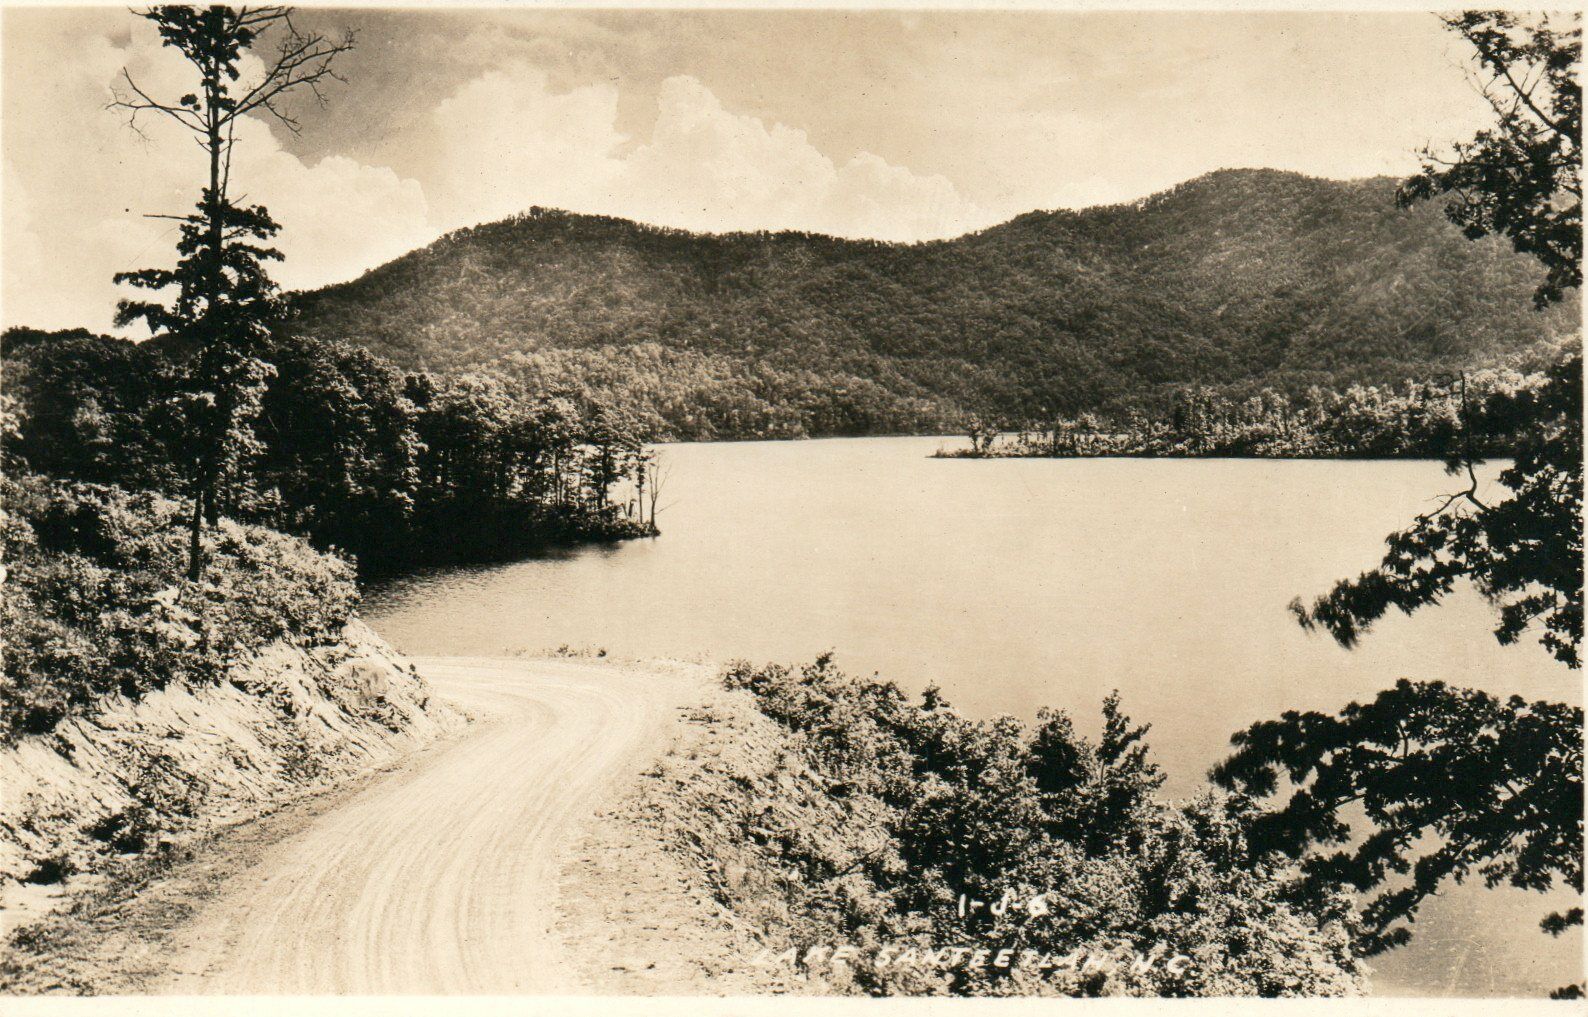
<point>911,809</point>
<point>96,601</point>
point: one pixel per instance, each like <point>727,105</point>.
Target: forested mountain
<point>1238,279</point>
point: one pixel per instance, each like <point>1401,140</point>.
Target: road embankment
<point>136,785</point>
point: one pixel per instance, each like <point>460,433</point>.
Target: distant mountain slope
<point>1240,278</point>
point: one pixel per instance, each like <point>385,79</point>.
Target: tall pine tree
<point>225,302</point>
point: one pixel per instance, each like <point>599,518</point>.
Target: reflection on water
<point>1020,583</point>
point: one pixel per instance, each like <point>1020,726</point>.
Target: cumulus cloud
<point>511,142</point>
<point>78,184</point>
<point>506,141</point>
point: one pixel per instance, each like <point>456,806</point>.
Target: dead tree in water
<point>659,474</point>
<point>644,462</point>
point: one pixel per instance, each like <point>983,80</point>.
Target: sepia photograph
<point>664,509</point>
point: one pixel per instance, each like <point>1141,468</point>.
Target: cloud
<point>510,142</point>
<point>338,217</point>
<point>78,183</point>
<point>507,142</point>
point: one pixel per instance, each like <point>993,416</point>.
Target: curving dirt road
<point>442,877</point>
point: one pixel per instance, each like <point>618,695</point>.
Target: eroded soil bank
<point>101,803</point>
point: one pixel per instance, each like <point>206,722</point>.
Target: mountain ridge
<point>1236,279</point>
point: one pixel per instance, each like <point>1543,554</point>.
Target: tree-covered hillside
<point>1238,279</point>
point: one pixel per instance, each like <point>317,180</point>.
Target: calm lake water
<point>1015,584</point>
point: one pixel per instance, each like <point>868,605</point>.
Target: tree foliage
<point>1453,782</point>
<point>223,313</point>
<point>1520,178</point>
<point>1525,553</point>
<point>391,467</point>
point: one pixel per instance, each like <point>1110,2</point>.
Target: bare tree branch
<point>183,115</point>
<point>302,61</point>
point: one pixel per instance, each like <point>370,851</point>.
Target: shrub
<point>977,810</point>
<point>96,601</point>
<point>50,871</point>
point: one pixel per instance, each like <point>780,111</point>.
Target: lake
<point>1020,583</point>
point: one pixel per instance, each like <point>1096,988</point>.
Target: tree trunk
<point>204,485</point>
<point>195,558</point>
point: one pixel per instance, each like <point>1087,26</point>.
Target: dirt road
<point>442,877</point>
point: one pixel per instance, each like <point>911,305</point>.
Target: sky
<point>884,124</point>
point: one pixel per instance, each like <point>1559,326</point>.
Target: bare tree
<point>644,461</point>
<point>659,472</point>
